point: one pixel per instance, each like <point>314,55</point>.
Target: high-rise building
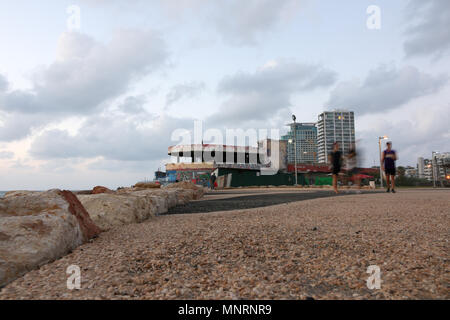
<point>440,163</point>
<point>304,135</point>
<point>427,169</point>
<point>334,126</point>
<point>424,169</point>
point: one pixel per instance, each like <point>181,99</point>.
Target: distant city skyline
<point>91,91</point>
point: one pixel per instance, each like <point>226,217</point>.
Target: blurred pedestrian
<point>335,158</point>
<point>388,166</point>
<point>213,181</point>
<point>352,166</point>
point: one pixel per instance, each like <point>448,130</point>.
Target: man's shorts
<point>390,171</point>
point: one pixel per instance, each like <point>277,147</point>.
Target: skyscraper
<point>334,126</point>
<point>305,135</point>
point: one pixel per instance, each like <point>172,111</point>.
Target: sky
<point>92,91</point>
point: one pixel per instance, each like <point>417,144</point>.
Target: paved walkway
<point>240,199</point>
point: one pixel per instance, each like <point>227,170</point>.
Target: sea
<point>2,193</point>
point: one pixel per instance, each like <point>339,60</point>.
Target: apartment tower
<point>334,126</point>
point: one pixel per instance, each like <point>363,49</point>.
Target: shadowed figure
<point>335,158</point>
<point>388,159</point>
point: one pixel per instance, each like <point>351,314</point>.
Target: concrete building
<point>304,136</point>
<point>410,172</point>
<point>440,163</point>
<point>428,170</point>
<point>435,169</point>
<point>334,126</point>
<point>204,159</point>
<point>425,169</point>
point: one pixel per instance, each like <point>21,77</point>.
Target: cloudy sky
<point>96,102</point>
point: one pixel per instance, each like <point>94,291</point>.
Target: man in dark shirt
<point>388,165</point>
<point>335,159</point>
<point>213,181</point>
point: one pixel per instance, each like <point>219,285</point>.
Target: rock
<point>83,192</point>
<point>170,195</point>
<point>109,210</point>
<point>136,204</point>
<point>18,193</point>
<point>39,227</point>
<point>198,190</point>
<point>147,185</point>
<point>88,227</point>
<point>162,198</point>
<point>128,190</point>
<point>184,196</point>
<point>100,189</point>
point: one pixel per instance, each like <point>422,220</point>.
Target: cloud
<point>111,136</point>
<point>6,155</point>
<point>414,134</point>
<point>384,88</point>
<point>14,126</point>
<point>3,83</point>
<point>239,23</point>
<point>266,93</point>
<point>133,105</point>
<point>247,22</point>
<point>428,30</point>
<point>185,90</point>
<point>86,75</point>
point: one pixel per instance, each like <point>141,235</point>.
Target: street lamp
<point>434,168</point>
<point>381,171</point>
<point>295,147</point>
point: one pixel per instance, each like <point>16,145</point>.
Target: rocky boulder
<point>147,185</point>
<point>100,189</point>
<point>185,185</point>
<point>110,210</point>
<point>136,204</point>
<point>39,227</point>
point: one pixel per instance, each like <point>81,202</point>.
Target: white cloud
<point>6,155</point>
<point>184,90</point>
<point>384,88</point>
<point>111,136</point>
<point>247,22</point>
<point>266,93</point>
<point>415,130</point>
<point>239,23</point>
<point>85,77</point>
<point>3,83</point>
<point>428,29</point>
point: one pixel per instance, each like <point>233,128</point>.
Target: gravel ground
<point>317,248</point>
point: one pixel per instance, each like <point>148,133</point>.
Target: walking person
<point>388,166</point>
<point>213,181</point>
<point>352,167</point>
<point>335,159</point>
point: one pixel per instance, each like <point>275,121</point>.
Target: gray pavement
<point>239,199</point>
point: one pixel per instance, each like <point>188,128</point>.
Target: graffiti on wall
<point>197,177</point>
